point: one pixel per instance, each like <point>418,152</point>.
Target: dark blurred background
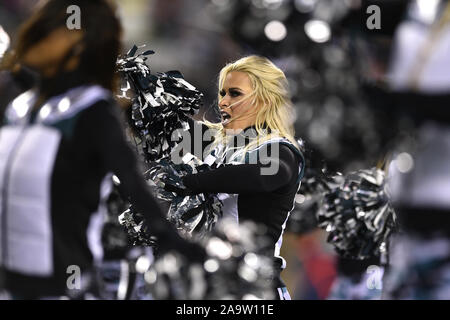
<point>328,55</point>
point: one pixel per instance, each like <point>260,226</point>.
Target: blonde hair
<point>275,117</point>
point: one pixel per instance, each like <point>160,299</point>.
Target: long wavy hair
<point>275,116</point>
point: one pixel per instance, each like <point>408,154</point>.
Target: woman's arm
<point>248,178</point>
<point>108,140</point>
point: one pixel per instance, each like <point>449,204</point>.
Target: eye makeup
<point>233,92</point>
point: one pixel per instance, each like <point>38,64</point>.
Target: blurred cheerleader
<point>59,143</point>
<point>419,78</point>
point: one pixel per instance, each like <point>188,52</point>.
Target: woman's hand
<point>180,191</point>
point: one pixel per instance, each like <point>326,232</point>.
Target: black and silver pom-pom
<point>315,183</point>
<point>192,215</point>
<point>237,267</point>
<point>135,226</point>
<point>161,104</point>
<point>357,215</point>
<point>115,240</point>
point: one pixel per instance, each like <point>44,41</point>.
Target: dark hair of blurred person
<point>59,144</point>
<point>95,46</point>
<point>50,64</point>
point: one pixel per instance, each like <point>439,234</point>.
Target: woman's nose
<point>224,103</point>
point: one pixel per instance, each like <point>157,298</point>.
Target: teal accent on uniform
<point>297,151</point>
<point>67,126</point>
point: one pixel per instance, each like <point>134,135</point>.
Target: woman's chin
<point>226,124</point>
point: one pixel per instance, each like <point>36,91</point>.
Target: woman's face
<point>47,53</point>
<point>235,102</point>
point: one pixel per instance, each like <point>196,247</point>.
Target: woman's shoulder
<point>96,101</point>
<point>284,150</point>
<point>277,143</point>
